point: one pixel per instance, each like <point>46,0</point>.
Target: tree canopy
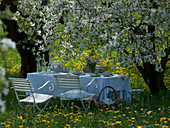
<point>136,30</point>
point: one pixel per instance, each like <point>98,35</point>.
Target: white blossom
<point>7,43</point>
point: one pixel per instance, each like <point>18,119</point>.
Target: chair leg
<point>82,102</point>
<point>62,104</point>
<point>20,105</point>
<point>42,110</point>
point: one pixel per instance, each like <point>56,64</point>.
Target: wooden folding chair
<point>20,85</point>
<point>70,88</point>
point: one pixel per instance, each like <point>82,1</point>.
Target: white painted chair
<point>23,87</point>
<point>70,88</point>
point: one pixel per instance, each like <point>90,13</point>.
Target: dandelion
<point>163,118</point>
<point>165,127</point>
<point>7,126</point>
<point>156,124</point>
<point>127,107</point>
<point>149,112</point>
<point>90,113</point>
<point>165,122</point>
<point>133,118</point>
<point>116,111</point>
<point>67,125</point>
<point>118,122</point>
<point>20,117</point>
<point>44,121</point>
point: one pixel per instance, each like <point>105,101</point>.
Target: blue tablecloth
<point>119,82</point>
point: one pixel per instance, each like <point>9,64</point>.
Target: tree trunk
<point>28,63</point>
<point>153,78</point>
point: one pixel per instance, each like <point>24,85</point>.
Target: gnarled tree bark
<point>28,62</point>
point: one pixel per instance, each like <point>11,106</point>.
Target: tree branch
<point>82,5</point>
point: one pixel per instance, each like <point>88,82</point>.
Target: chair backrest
<point>68,82</point>
<point>21,85</point>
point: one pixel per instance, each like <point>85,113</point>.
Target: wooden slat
<point>22,85</point>
<point>68,81</point>
<point>68,87</point>
<point>61,79</point>
<point>67,84</point>
<point>23,90</point>
<point>66,76</point>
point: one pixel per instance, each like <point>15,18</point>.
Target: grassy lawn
<point>144,111</point>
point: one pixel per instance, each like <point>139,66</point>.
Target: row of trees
<point>136,30</point>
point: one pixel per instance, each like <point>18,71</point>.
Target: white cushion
<point>76,94</point>
<point>39,98</point>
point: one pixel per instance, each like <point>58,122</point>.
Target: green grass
<point>145,111</point>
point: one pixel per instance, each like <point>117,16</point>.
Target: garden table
<point>121,84</point>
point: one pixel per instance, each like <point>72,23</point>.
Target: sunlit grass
<point>139,113</point>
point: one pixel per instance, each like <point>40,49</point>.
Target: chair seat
<point>39,98</point>
<point>77,94</point>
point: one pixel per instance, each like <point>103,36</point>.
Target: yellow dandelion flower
<point>118,122</point>
<point>156,124</point>
<point>163,118</point>
<point>133,118</point>
<point>101,110</point>
<point>165,122</point>
<point>44,121</point>
<point>127,107</point>
<point>67,125</point>
<point>165,126</point>
<point>20,117</point>
<point>7,126</point>
<point>149,112</point>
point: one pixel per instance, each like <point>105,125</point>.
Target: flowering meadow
<point>144,111</point>
<point>138,114</point>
